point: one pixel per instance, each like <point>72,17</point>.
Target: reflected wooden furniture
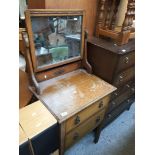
<point>40,127</point>
<point>75,97</point>
<point>116,65</point>
<point>107,17</point>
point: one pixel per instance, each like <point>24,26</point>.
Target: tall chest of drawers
<point>116,65</point>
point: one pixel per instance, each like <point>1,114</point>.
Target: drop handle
<point>100,104</point>
<point>126,60</point>
<point>98,119</point>
<point>77,120</point>
<point>76,136</point>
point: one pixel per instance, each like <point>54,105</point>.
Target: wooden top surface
<point>35,118</point>
<point>22,136</point>
<point>68,94</point>
<point>111,46</point>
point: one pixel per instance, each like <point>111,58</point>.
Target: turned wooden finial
<point>129,17</point>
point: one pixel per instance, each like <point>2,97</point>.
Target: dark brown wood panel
<point>124,77</point>
<point>126,61</point>
<point>122,97</point>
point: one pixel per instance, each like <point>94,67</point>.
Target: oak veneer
<point>35,118</point>
<point>70,93</point>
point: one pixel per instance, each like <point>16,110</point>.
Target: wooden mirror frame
<point>50,12</point>
<point>35,76</point>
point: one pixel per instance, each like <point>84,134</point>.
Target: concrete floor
<point>116,139</point>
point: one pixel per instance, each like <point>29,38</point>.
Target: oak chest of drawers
<point>78,101</point>
<point>76,98</point>
<point>116,65</point>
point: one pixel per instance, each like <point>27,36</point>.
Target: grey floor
<point>116,139</point>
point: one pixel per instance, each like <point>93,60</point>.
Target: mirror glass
<point>56,39</point>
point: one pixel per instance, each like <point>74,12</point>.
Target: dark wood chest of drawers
<point>116,65</point>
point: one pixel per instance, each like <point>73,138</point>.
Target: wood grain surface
<point>69,94</point>
<point>35,118</point>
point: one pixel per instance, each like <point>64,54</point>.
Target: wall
<point>89,5</point>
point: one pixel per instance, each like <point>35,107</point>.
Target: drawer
<point>84,128</point>
<point>129,86</point>
<point>124,77</point>
<point>117,111</point>
<point>121,98</point>
<point>86,113</point>
<point>126,61</point>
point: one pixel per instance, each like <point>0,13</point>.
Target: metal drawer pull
<point>76,136</point>
<point>113,103</point>
<point>128,86</point>
<point>98,119</point>
<point>126,60</point>
<point>77,120</point>
<point>100,104</point>
<point>115,94</point>
<point>120,78</point>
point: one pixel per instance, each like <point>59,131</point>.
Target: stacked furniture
<point>116,65</point>
<point>108,20</point>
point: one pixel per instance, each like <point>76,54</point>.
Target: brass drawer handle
<point>77,120</point>
<point>126,60</point>
<point>100,104</point>
<point>76,136</point>
<point>98,119</point>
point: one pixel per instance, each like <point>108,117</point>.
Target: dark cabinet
<point>116,65</point>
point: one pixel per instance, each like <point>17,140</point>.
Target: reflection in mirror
<point>56,39</point>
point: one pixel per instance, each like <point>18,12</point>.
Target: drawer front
<point>84,128</point>
<point>121,98</point>
<point>129,86</point>
<point>86,113</point>
<point>122,107</point>
<point>126,61</point>
<point>123,77</point>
